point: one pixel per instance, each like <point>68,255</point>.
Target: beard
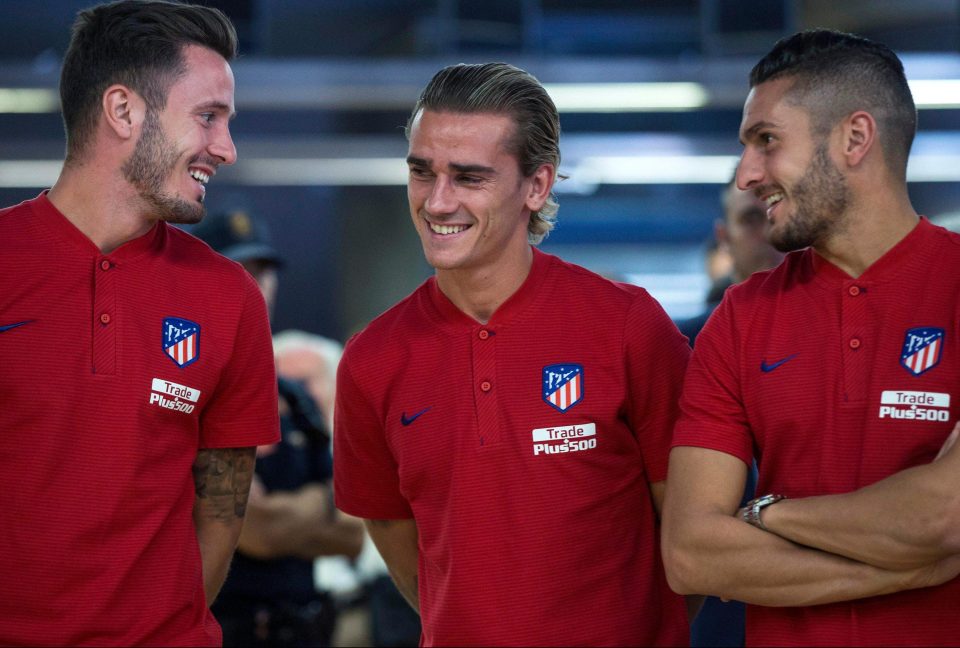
<point>821,197</point>
<point>153,160</point>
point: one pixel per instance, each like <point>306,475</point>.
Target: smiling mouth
<point>446,230</point>
<point>772,200</point>
<point>199,176</point>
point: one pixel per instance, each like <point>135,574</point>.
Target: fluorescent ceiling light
<point>28,100</point>
<point>585,173</point>
<point>627,97</point>
<point>936,93</point>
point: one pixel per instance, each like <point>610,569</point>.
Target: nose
<point>749,170</point>
<point>222,147</point>
<point>442,198</point>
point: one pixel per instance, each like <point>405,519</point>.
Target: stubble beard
<point>151,163</point>
<point>821,197</point>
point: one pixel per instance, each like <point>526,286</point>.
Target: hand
<point>950,442</point>
<point>937,573</point>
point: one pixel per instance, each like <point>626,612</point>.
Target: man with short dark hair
<point>137,375</point>
<point>504,429</point>
<point>840,369</point>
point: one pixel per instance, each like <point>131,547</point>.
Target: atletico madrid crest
<point>921,349</point>
<point>563,385</point>
<point>181,340</point>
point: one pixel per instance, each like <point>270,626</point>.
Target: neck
<point>103,207</point>
<point>870,231</point>
<point>479,292</point>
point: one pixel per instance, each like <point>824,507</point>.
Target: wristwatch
<point>751,512</point>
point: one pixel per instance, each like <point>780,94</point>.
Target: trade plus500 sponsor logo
<point>569,438</point>
<point>915,406</point>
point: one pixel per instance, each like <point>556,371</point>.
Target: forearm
<point>222,479</point>
<point>707,549</point>
<point>908,520</point>
<point>728,558</point>
<point>396,540</point>
<point>301,523</point>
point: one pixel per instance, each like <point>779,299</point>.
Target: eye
<point>419,172</point>
<point>208,117</point>
<point>469,179</point>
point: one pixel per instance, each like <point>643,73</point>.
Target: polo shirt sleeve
<point>656,356</point>
<point>712,414</point>
<point>365,475</point>
<point>243,410</point>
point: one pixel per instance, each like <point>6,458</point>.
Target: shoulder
<point>391,328</point>
<point>598,291</point>
<point>796,267</point>
<point>206,265</point>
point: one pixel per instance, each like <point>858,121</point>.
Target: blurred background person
<point>270,596</point>
<point>739,237</point>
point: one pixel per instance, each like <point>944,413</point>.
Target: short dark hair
<point>138,43</point>
<point>836,74</point>
<point>501,88</point>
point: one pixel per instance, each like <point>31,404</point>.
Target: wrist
<point>751,513</point>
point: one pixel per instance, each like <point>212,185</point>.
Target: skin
<point>743,232</point>
<point>221,480</point>
<point>134,172</point>
<point>136,169</point>
<point>462,176</point>
<point>891,536</point>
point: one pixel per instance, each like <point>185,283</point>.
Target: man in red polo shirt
<point>840,370</point>
<point>504,430</point>
<point>137,373</point>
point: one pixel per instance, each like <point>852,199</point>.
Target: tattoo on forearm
<point>222,478</point>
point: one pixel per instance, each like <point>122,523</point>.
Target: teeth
<point>773,199</point>
<point>199,176</point>
<point>447,229</point>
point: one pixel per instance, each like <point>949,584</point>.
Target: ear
<point>541,183</point>
<point>123,110</point>
<point>859,131</point>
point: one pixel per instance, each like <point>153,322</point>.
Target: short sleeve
<point>657,355</point>
<point>365,475</point>
<point>712,414</point>
<point>243,410</point>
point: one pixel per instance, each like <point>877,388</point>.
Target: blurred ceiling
<point>324,86</point>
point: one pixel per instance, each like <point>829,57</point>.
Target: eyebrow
<point>750,132</point>
<point>459,168</point>
<point>218,105</point>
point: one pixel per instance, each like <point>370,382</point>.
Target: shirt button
<point>854,291</point>
<point>484,334</point>
<point>105,318</point>
<point>104,265</point>
<point>855,343</point>
<point>485,386</point>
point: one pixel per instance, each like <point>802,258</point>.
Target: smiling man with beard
<point>137,372</point>
<point>839,371</point>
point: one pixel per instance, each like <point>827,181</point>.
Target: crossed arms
<point>900,533</point>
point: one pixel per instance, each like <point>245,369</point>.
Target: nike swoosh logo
<point>766,368</point>
<point>407,421</point>
<point>7,327</point>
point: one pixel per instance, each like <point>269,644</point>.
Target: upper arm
<point>702,483</point>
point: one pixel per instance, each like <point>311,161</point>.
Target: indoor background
<point>650,93</point>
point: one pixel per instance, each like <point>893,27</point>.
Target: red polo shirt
<point>523,448</point>
<point>837,383</point>
<point>116,368</point>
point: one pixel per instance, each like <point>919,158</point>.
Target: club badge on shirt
<point>181,340</point>
<point>921,349</point>
<point>562,385</point>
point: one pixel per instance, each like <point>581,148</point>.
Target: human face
<point>468,199</point>
<point>745,233</point>
<point>790,170</point>
<point>181,146</point>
